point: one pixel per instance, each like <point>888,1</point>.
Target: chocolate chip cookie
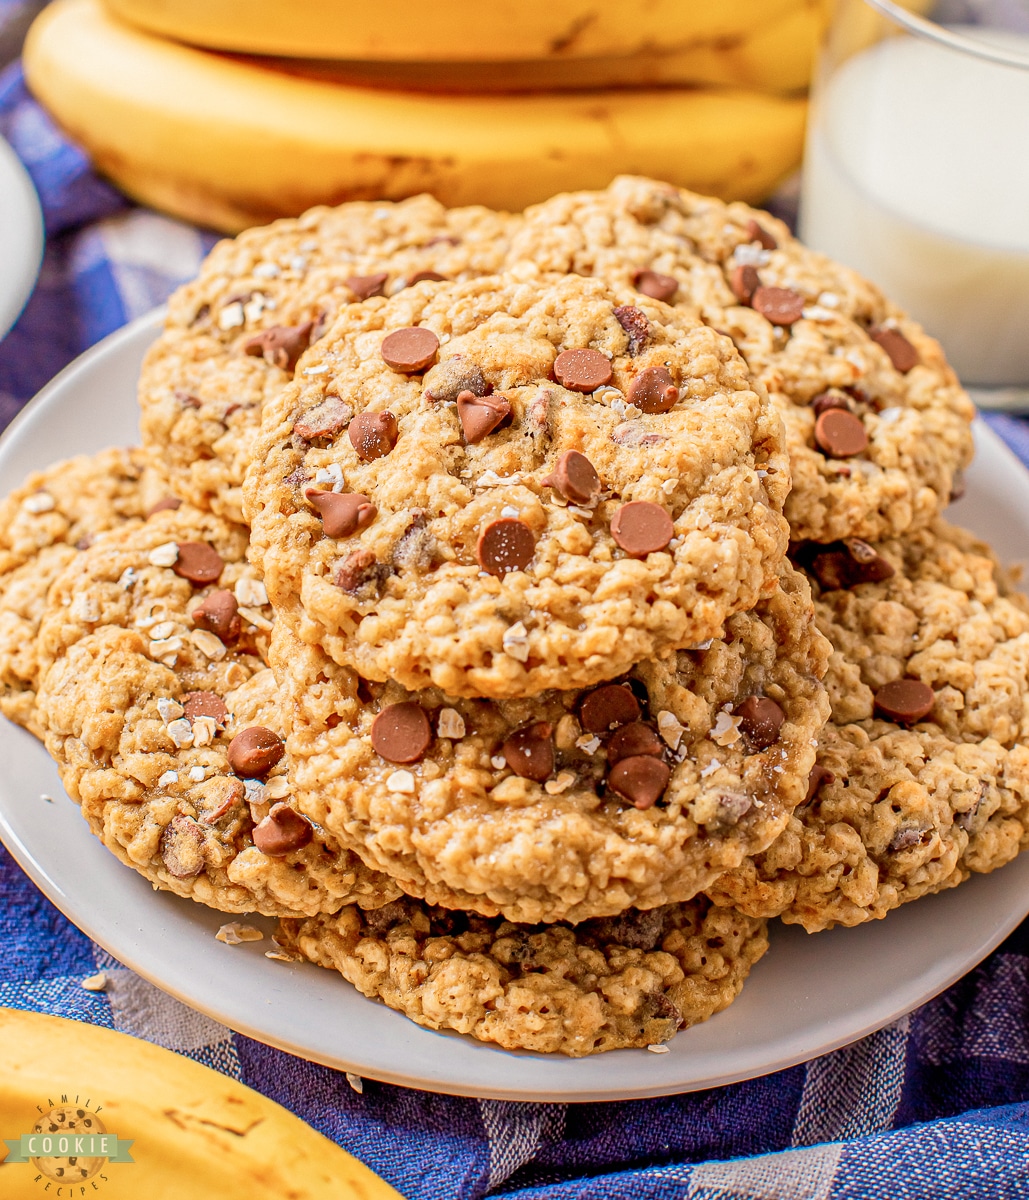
<point>877,424</point>
<point>568,804</point>
<point>923,770</point>
<point>166,723</point>
<point>606,984</point>
<point>502,486</point>
<point>232,337</point>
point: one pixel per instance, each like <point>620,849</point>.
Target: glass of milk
<point>917,173</point>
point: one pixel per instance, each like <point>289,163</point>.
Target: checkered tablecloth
<point>935,1105</point>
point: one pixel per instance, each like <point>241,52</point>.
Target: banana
<point>775,57</point>
<point>455,30</point>
<point>230,144</point>
<point>194,1132</point>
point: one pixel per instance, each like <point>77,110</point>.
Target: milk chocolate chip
<point>254,751</point>
<point>373,434</point>
<point>781,306</point>
<point>817,778</point>
<point>205,704</point>
<point>607,707</point>
<point>342,513</point>
<point>167,504</point>
<point>529,752</point>
<point>449,378</point>
<point>632,740</point>
<point>840,433</point>
<point>505,545</point>
<point>760,720</point>
<point>654,390</point>
<point>281,345</point>
<point>401,732</point>
<point>574,477</point>
<point>198,562</point>
<point>410,350</point>
<point>366,286</point>
<point>900,351</point>
<point>641,528</point>
<point>640,779</point>
<point>905,701</point>
<point>744,282</point>
<point>480,415</point>
<point>181,847</point>
<point>282,831</point>
<point>425,277</point>
<point>757,233</point>
<point>634,322</point>
<point>655,285</point>
<point>361,575</point>
<point>846,564</point>
<point>827,400</point>
<point>218,615</point>
<point>582,370</point>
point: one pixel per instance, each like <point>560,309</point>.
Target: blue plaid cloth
<point>935,1105</point>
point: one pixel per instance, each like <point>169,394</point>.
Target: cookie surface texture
<point>813,332</point>
<point>918,786</point>
<point>147,711</point>
<point>608,984</point>
<point>233,335</point>
<point>568,804</point>
<point>526,524</point>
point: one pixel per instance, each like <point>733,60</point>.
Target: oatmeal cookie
<point>503,486</point>
<point>923,770</point>
<point>568,804</point>
<point>233,335</point>
<point>877,424</point>
<point>44,524</point>
<point>165,721</point>
<point>606,984</point>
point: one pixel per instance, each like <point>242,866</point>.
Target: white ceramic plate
<point>808,995</point>
<point>21,236</point>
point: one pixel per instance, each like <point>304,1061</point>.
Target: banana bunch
<point>193,1131</point>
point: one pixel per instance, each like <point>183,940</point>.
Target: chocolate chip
<point>425,277</point>
<point>634,322</point>
<point>655,285</point>
<point>373,434</point>
<point>282,831</point>
<point>757,233</point>
<point>342,513</point>
<point>817,778</point>
<point>904,839</point>
<point>205,704</point>
<point>607,707</point>
<point>324,420</point>
<point>574,477</point>
<point>900,351</point>
<point>416,549</point>
<point>824,401</point>
<point>760,720</point>
<point>641,528</point>
<point>744,282</point>
<point>366,286</point>
<point>281,345</point>
<point>781,306</point>
<point>448,379</point>
<point>480,415</point>
<point>505,545</point>
<point>582,370</point>
<point>634,739</point>
<point>732,806</point>
<point>187,400</point>
<point>840,434</point>
<point>846,564</point>
<point>219,614</point>
<point>654,390</point>
<point>167,504</point>
<point>198,562</point>
<point>254,751</point>
<point>529,752</point>
<point>640,779</point>
<point>905,701</point>
<point>410,350</point>
<point>401,733</point>
<point>181,847</point>
<point>958,486</point>
<point>362,576</point>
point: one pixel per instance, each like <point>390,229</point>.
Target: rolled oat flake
<point>401,733</point>
<point>582,370</point>
<point>905,701</point>
<point>506,544</point>
<point>410,350</point>
<point>840,434</point>
<point>198,562</point>
<point>574,477</point>
<point>641,528</point>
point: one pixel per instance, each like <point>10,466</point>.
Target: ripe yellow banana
<point>775,56</point>
<point>194,1132</point>
<point>230,144</point>
<point>456,30</point>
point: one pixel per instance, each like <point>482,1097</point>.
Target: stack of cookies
<point>459,609</point>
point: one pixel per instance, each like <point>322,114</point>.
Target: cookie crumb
<point>234,933</point>
<point>356,1082</point>
<point>95,983</point>
<point>44,796</point>
<point>658,1049</point>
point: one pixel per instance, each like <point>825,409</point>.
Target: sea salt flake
<point>450,724</point>
<point>235,933</point>
<point>165,555</point>
<point>39,502</point>
<point>402,782</point>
